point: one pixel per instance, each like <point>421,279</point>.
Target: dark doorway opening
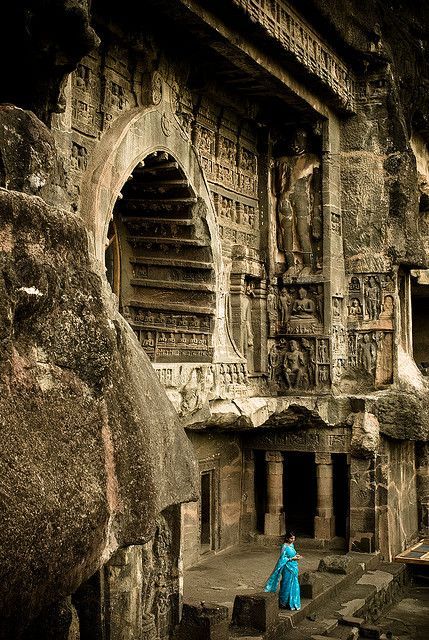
<point>207,511</point>
<point>420,314</point>
<point>260,490</point>
<point>341,481</point>
<point>88,601</point>
<point>300,492</point>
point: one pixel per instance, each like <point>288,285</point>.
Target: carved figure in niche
<point>372,298</point>
<point>299,205</point>
<point>323,351</point>
<point>74,162</point>
<point>336,307</point>
<point>304,307</point>
<point>367,353</point>
<point>355,308</point>
<point>388,306</point>
<point>285,306</point>
<point>311,361</point>
<point>354,284</point>
<point>247,334</point>
<point>272,310</point>
<point>148,341</point>
<point>191,392</point>
<point>273,362</point>
<point>82,159</point>
<point>293,365</point>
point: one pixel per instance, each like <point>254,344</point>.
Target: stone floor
<point>219,578</point>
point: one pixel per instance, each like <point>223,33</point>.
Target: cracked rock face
<point>91,447</point>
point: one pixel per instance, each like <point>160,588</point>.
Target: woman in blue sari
<point>286,569</point>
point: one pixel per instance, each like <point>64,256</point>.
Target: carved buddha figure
<point>303,307</point>
<point>299,206</point>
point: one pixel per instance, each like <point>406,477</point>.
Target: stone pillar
<point>422,481</point>
<point>248,512</point>
<point>324,521</point>
<point>274,515</point>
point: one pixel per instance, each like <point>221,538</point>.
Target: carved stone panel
<point>371,354</point>
<point>300,364</point>
<point>371,301</point>
<point>301,309</point>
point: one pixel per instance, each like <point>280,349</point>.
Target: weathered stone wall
<point>402,497</point>
<point>222,454</point>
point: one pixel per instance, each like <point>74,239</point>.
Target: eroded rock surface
<point>91,449</point>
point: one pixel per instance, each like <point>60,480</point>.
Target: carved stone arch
<point>150,136</point>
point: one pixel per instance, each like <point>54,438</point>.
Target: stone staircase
<point>340,600</point>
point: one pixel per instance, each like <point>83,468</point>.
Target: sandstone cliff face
<point>91,448</point>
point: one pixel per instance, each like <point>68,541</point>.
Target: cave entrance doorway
<point>420,325</point>
<point>260,490</point>
<point>300,492</point>
<point>159,262</point>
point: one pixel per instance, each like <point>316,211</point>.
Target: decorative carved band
<point>297,37</point>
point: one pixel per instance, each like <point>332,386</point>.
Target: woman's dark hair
<point>289,535</point>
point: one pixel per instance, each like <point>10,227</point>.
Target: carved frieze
<point>284,25</point>
<point>170,337</point>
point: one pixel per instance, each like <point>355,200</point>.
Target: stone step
<point>364,598</point>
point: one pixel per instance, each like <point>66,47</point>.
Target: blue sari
<point>287,570</point>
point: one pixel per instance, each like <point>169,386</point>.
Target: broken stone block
<point>258,611</point>
<point>370,631</point>
<point>312,584</point>
<point>338,564</point>
<point>204,621</point>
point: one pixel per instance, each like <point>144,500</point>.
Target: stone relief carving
<point>247,329</point>
<point>299,205</point>
<point>301,309</point>
<point>299,363</point>
<point>284,25</point>
<point>371,352</point>
<point>272,310</point>
<point>372,300</point>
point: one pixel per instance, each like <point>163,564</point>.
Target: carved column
<point>422,479</point>
<point>324,522</point>
<point>260,326</point>
<point>248,512</point>
<point>274,514</point>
